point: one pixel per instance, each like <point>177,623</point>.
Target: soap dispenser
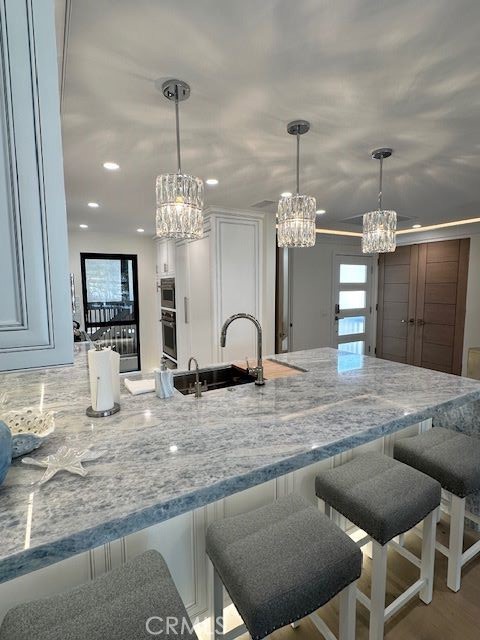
<point>164,381</point>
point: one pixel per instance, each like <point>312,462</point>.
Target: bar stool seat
<point>114,606</point>
<point>385,498</point>
<point>281,562</point>
<point>453,459</point>
<point>450,457</point>
<point>380,495</point>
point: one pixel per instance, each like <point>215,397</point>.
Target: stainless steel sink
<point>211,379</point>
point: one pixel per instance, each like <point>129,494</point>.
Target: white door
<point>352,287</point>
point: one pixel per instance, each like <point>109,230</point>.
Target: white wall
<point>311,294</point>
<point>144,248</point>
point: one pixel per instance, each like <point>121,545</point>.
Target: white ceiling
<point>366,73</point>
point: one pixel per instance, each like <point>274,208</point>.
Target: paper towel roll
<point>101,379</point>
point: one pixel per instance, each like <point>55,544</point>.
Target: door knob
<point>410,321</point>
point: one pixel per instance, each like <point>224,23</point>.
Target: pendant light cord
<point>380,185</point>
<point>177,123</point>
<point>298,163</point>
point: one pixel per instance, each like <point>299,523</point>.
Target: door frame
<point>371,302</point>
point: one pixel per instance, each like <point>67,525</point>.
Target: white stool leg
<point>348,608</point>
<point>379,584</point>
<point>428,555</point>
<point>295,624</point>
<point>217,606</point>
<point>455,547</point>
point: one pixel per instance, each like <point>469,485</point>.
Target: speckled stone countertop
<point>165,457</point>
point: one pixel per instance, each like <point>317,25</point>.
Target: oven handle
<point>185,309</point>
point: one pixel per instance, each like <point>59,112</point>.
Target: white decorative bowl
<point>29,429</point>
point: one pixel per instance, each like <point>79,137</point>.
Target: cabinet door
<point>35,309</point>
<point>183,317</point>
<point>238,283</point>
<point>199,300</point>
<point>165,258</point>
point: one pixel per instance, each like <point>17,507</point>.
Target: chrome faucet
<point>258,370</point>
<point>197,386</point>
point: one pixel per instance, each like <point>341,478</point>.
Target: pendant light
<point>179,196</point>
<point>380,226</point>
<point>296,213</point>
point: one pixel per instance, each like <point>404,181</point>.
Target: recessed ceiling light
<point>286,194</point>
<point>321,212</point>
<point>111,166</point>
<point>140,230</point>
<point>93,205</point>
<point>212,181</point>
<point>416,226</point>
<point>83,226</point>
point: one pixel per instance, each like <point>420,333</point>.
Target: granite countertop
<point>165,457</point>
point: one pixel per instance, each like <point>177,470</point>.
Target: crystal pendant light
<point>179,196</point>
<point>296,213</point>
<point>380,226</point>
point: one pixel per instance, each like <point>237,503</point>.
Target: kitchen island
<point>168,467</point>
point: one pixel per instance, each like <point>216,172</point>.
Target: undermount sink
<point>211,379</point>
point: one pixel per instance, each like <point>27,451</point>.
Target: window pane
<point>353,273</point>
<point>352,299</point>
<point>347,326</point>
<point>353,347</point>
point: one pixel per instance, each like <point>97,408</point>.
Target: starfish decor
<point>66,459</point>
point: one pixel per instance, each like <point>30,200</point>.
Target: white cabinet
<point>230,270</point>
<point>35,309</point>
<point>193,293</point>
<point>165,258</point>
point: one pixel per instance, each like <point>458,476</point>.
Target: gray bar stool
<point>280,563</point>
<point>126,604</point>
<point>453,459</point>
<point>385,498</point>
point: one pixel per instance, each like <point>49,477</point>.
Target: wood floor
<point>450,616</point>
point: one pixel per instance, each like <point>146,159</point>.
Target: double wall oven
<point>168,319</point>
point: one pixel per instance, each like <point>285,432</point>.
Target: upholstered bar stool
<point>280,563</point>
<point>385,498</point>
<point>454,460</point>
<point>135,602</point>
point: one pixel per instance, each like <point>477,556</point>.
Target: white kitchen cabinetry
<point>230,270</point>
<point>35,309</point>
<point>165,258</point>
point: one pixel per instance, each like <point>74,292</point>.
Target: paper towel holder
<point>91,413</point>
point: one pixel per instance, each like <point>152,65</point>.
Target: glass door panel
<point>110,304</point>
<point>351,325</point>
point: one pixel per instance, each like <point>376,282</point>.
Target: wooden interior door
<point>397,279</point>
<point>421,304</point>
<point>440,305</point>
